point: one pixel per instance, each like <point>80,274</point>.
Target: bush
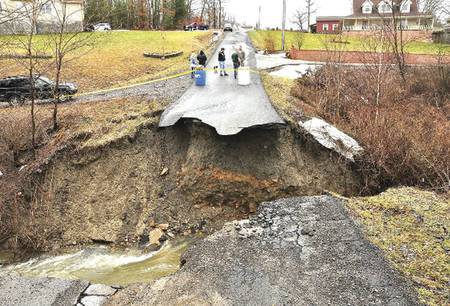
<point>403,127</point>
<point>269,41</point>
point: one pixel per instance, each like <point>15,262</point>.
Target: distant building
<point>14,15</point>
<point>372,14</point>
<point>328,24</point>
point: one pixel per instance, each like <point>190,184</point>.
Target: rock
<point>163,227</point>
<point>332,138</point>
<point>1,174</point>
<point>308,231</point>
<point>20,291</point>
<point>251,263</point>
<point>155,235</point>
<point>164,171</point>
<point>93,300</point>
<point>98,289</point>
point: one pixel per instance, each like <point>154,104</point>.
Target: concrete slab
<point>19,291</point>
<point>222,103</point>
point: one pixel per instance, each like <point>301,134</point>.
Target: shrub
<point>269,41</point>
<point>403,127</point>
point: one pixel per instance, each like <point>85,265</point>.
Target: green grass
<point>325,41</point>
<point>411,227</point>
<point>116,57</point>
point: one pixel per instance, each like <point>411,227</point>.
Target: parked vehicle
<point>196,26</point>
<point>89,28</point>
<point>228,27</point>
<point>17,89</point>
<point>99,27</point>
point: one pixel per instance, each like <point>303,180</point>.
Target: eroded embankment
<point>186,176</point>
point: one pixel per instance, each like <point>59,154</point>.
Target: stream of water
<point>102,265</point>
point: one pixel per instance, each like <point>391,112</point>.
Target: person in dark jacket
<point>222,60</point>
<point>202,58</point>
<point>236,63</point>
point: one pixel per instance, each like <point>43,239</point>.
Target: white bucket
<point>244,76</point>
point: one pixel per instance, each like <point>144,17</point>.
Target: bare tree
<point>439,8</point>
<point>393,27</point>
<point>310,10</point>
<point>299,18</point>
<point>26,23</point>
<point>65,39</point>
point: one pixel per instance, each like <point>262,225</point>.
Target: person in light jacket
<point>241,54</point>
<point>193,63</point>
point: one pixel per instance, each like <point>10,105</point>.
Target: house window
<point>325,27</point>
<point>405,7</point>
<point>384,7</point>
<point>46,8</point>
<point>335,27</point>
<point>367,7</point>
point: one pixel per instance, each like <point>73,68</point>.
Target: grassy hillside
<point>325,41</point>
<point>411,227</point>
<point>115,58</point>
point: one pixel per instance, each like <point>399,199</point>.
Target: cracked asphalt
<point>299,251</point>
<point>222,103</point>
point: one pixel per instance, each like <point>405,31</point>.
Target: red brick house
<point>328,24</point>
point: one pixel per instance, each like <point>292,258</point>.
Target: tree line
<point>155,14</point>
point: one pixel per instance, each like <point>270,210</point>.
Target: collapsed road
<point>222,103</point>
<point>298,251</point>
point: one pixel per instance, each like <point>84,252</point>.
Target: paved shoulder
<point>19,291</point>
<point>222,103</point>
<point>300,251</point>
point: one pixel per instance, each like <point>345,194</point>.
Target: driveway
<point>222,103</point>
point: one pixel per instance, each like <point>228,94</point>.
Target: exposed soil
<point>186,176</point>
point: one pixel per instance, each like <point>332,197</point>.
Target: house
<point>328,24</point>
<point>373,14</point>
<point>15,15</point>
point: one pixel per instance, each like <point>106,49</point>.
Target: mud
<point>186,176</point>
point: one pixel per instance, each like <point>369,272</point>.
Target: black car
<point>196,26</point>
<point>17,89</point>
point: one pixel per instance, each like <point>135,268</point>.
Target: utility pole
<point>283,34</point>
<point>259,19</point>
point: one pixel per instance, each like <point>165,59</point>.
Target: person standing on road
<point>193,62</point>
<point>222,59</point>
<point>236,63</point>
<point>202,58</point>
<point>241,54</point>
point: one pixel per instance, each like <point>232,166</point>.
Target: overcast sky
<point>272,10</point>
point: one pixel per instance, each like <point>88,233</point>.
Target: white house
<point>372,14</point>
<point>16,16</point>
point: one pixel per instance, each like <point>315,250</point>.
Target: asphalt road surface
<point>222,103</point>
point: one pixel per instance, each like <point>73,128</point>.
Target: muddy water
<point>101,265</point>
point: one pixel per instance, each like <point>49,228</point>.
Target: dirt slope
<point>186,176</point>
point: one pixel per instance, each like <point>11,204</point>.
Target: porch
<point>407,23</point>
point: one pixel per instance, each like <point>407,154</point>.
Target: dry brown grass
<point>405,131</point>
<point>116,58</point>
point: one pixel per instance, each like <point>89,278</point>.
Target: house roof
<point>326,18</point>
<point>357,8</point>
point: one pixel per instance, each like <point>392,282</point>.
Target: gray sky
<point>271,14</point>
